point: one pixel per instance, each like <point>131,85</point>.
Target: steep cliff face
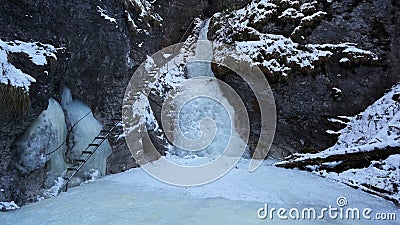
<point>304,49</point>
<point>94,56</point>
<point>102,43</point>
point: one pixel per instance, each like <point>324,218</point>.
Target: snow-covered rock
<point>374,133</point>
<point>147,17</point>
<point>37,53</point>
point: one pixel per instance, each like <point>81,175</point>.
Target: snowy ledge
<point>37,52</point>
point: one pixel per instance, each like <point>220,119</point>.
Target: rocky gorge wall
<point>99,56</point>
<point>307,97</point>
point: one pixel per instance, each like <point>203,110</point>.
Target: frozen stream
<point>200,107</point>
<point>134,197</point>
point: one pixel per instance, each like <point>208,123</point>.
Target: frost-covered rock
<point>278,52</point>
<point>37,53</point>
<point>147,19</point>
<point>381,178</point>
<point>46,134</point>
<point>367,153</point>
<point>331,38</point>
<point>7,206</point>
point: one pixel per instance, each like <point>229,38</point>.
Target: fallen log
<point>342,162</point>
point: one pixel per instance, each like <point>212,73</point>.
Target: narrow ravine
<point>146,112</point>
<point>236,198</point>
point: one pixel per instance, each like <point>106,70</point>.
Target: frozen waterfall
<point>46,134</point>
<point>83,133</point>
<point>204,51</point>
<point>44,143</point>
<point>194,111</point>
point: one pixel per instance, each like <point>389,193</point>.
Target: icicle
<point>46,134</point>
<point>66,97</point>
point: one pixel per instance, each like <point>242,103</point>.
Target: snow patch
<point>7,206</point>
<point>344,60</point>
<point>291,13</point>
<point>103,13</point>
<point>276,53</point>
<point>54,190</point>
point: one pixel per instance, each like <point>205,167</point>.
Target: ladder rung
<point>80,160</point>
<point>100,137</point>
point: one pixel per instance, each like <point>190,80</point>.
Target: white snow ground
<point>134,197</point>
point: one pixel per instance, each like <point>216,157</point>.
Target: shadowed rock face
<point>178,15</point>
